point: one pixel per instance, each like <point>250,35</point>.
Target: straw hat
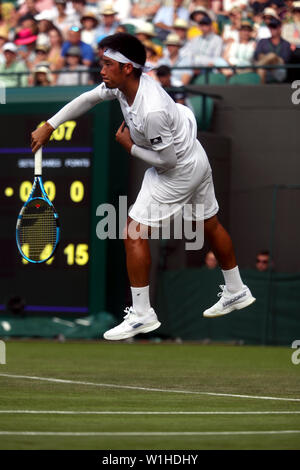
<point>146,28</point>
<point>108,10</point>
<point>173,40</point>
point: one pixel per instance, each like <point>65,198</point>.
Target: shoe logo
<point>234,299</point>
<point>136,325</point>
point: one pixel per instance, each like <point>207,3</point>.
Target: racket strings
<point>38,230</point>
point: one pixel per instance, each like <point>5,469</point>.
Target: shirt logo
<point>156,140</point>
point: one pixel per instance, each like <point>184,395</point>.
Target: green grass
<point>246,370</point>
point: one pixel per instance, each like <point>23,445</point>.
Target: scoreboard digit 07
<point>59,286</point>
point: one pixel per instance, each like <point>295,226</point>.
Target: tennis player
<point>163,134</point>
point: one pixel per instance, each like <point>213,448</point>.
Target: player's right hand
<point>41,136</point>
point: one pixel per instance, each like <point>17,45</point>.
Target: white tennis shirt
<point>155,121</point>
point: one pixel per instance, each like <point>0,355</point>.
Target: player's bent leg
<point>140,318</point>
<point>234,294</point>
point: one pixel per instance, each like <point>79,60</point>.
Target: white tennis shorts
<point>164,195</point>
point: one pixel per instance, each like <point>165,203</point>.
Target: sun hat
<point>25,36</point>
<point>10,46</point>
<point>173,40</point>
<point>108,10</point>
<point>146,28</point>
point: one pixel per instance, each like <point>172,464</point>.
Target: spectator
<point>28,6</point>
<point>109,21</point>
<point>207,48</point>
<point>145,9</point>
<point>173,57</point>
<point>263,260</point>
<point>195,18</point>
<point>145,32</point>
<point>54,56</point>
<point>41,76</point>
<point>262,29</point>
<point>89,23</point>
<point>231,30</point>
<point>76,9</point>
<point>166,16</point>
<point>210,260</point>
<point>123,8</point>
<point>27,22</point>
<point>68,75</point>
<point>241,53</point>
<point>41,54</point>
<point>26,39</point>
<point>152,53</point>
<point>291,33</point>
<point>164,76</point>
<point>180,27</point>
<point>3,40</point>
<point>44,25</point>
<point>228,5</point>
<point>258,6</point>
<point>63,22</point>
<point>273,51</point>
<point>12,64</point>
<point>74,39</point>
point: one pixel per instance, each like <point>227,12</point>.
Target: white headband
<point>115,55</point>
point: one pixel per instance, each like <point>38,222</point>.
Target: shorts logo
<point>156,140</point>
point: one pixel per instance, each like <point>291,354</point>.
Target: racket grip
<point>38,162</point>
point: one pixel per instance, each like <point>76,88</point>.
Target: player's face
<point>111,72</point>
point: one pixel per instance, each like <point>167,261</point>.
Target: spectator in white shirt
<point>206,49</point>
<point>241,53</point>
<point>89,23</point>
<point>231,30</point>
<point>68,75</point>
<point>173,57</point>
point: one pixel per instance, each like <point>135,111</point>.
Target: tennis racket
<point>37,230</point>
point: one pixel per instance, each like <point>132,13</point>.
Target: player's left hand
<point>123,137</point>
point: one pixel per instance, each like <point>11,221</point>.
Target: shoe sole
<point>239,306</point>
<point>141,329</point>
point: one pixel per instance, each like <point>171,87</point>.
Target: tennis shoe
<point>133,324</point>
<point>229,302</point>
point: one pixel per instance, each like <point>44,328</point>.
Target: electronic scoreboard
<point>59,286</point>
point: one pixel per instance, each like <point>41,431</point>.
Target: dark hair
<point>127,45</point>
<point>263,252</point>
<point>163,71</point>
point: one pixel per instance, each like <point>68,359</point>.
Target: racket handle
<point>38,162</point>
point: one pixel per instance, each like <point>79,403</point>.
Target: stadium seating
<point>203,109</point>
<point>250,78</point>
<point>211,79</point>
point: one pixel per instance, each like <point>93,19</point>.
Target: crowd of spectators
<point>56,41</point>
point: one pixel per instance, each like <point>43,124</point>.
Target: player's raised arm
<point>72,110</point>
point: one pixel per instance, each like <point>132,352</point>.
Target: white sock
<point>140,299</point>
<point>233,280</point>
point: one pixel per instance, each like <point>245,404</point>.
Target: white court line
<point>56,412</point>
<point>146,389</point>
<point>137,434</point>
